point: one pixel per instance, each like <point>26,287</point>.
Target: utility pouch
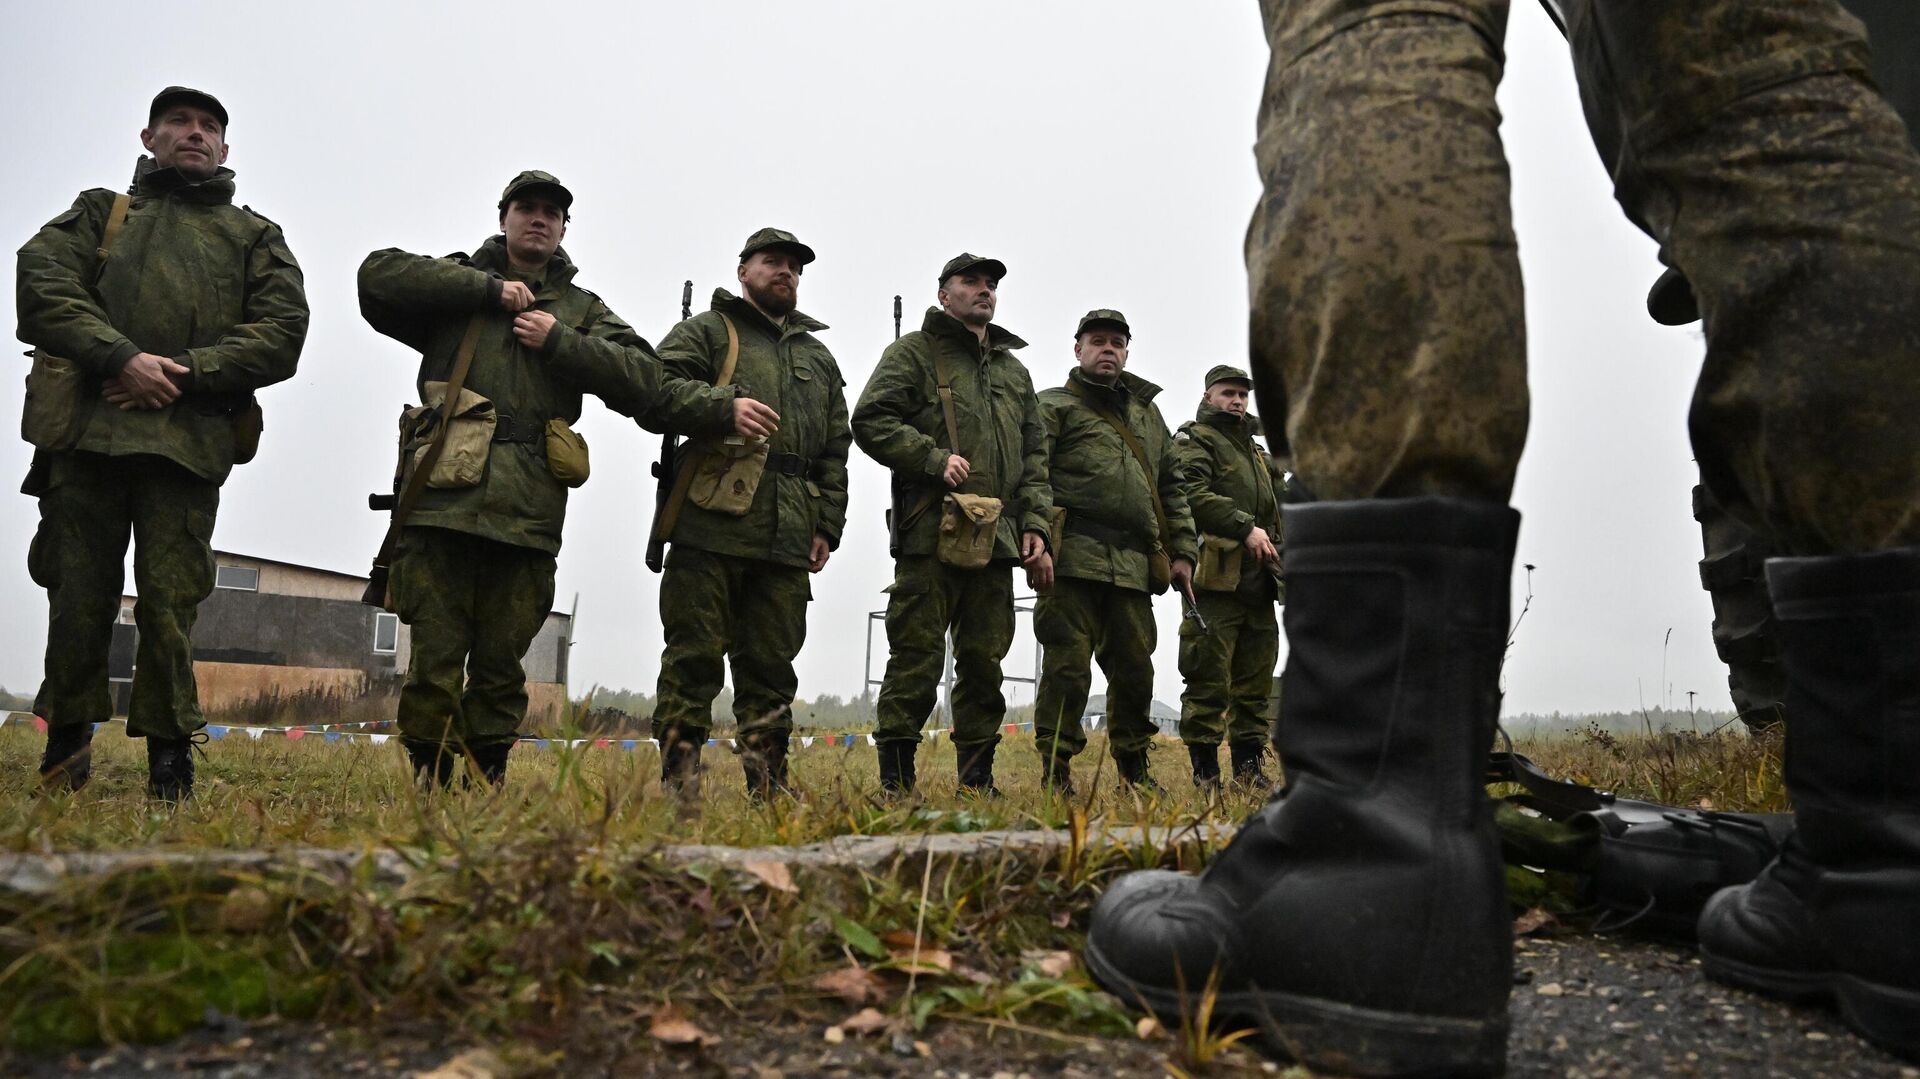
<point>1219,568</point>
<point>726,474</point>
<point>56,405</point>
<point>968,524</point>
<point>566,453</point>
<point>248,424</point>
<point>1159,571</point>
<point>469,437</point>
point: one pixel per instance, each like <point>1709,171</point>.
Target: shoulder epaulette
<point>261,216</point>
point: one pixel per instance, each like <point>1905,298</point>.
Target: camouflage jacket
<point>191,277</point>
<point>1102,496</point>
<point>898,422</point>
<point>1232,485</point>
<point>804,490</point>
<point>426,304</point>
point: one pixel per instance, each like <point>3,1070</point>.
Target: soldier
<point>735,583</point>
<point>473,574</point>
<point>1234,488</point>
<point>1118,510</point>
<point>952,413</point>
<point>1360,919</point>
<point>159,314</point>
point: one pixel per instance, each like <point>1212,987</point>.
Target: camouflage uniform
<point>1233,486</point>
<point>474,573</point>
<point>898,422</point>
<point>1101,604</point>
<point>212,286</point>
<point>737,588</point>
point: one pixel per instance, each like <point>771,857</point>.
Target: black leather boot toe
<point>1206,765</point>
<point>68,759</point>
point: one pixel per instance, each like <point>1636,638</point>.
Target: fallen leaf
<point>672,1028</point>
<point>1551,989</point>
<point>472,1064</point>
<point>773,874</point>
<point>834,1035</point>
<point>855,985</point>
<point>1049,964</point>
<point>865,1021</point>
<point>1534,920</point>
<point>1062,918</point>
<point>929,959</point>
<point>1147,1027</point>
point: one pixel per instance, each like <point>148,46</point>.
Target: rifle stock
<point>663,468</point>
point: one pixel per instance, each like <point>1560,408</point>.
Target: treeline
<point>13,702</point>
<point>1651,720</point>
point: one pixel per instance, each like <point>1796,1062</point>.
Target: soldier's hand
<point>755,419</point>
<point>1182,574</point>
<point>957,470</point>
<point>147,381</point>
<point>1260,545</point>
<point>1039,564</point>
<point>818,554</point>
<point>532,327</point>
<point>515,296</point>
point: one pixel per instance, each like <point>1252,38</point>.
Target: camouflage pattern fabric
<point>1232,486</point>
<point>1800,236</point>
<point>1228,670</point>
<point>1733,573</point>
<point>474,606</point>
<point>749,612</point>
<point>94,504</point>
<point>1078,622</point>
<point>926,599</point>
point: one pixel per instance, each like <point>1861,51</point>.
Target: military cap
<point>534,178</point>
<point>1226,373</point>
<point>771,237</point>
<point>186,95</point>
<point>963,262</point>
<point>1103,316</point>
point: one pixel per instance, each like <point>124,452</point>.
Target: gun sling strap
<point>669,514</point>
<point>943,377</point>
<point>417,481</point>
<point>1139,454</point>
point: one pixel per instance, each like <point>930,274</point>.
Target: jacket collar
<point>738,308</point>
<point>1129,386</point>
<point>492,256</point>
<point>1248,424</point>
<point>156,182</point>
<point>941,324</point>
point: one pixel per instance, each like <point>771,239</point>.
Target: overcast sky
<point>1102,149</point>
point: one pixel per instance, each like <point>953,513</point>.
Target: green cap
<point>771,237</point>
<point>1225,373</point>
<point>186,95</point>
<point>963,262</point>
<point>534,178</point>
<point>1103,316</point>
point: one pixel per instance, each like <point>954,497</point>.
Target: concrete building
<point>274,629</point>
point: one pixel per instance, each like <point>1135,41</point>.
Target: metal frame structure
<point>942,715</point>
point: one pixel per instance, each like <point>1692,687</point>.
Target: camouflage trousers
<point>749,614</point>
<point>1228,670</point>
<point>474,606</point>
<point>1078,622</point>
<point>1387,323</point>
<point>93,505</point>
<point>927,599</point>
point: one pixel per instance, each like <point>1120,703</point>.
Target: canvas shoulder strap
<point>417,482</point>
<point>116,218</point>
<point>669,514</point>
<point>943,385</point>
<point>1139,454</point>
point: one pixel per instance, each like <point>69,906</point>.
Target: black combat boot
<point>491,759</point>
<point>976,770</point>
<point>170,767</point>
<point>896,768</point>
<point>763,759</point>
<point>1837,915</point>
<point>1360,918</point>
<point>680,759</point>
<point>1056,776</point>
<point>68,760</point>
<point>433,763</point>
<point>1206,765</point>
<point>1247,760</point>
<point>1132,766</point>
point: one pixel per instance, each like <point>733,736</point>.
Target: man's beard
<point>773,303</point>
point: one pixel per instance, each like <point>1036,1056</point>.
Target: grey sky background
<point>1101,148</point>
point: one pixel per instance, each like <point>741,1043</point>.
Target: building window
<point>386,633</point>
<point>238,578</point>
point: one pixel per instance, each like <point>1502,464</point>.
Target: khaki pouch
<point>463,462</point>
<point>1219,568</point>
<point>1159,570</point>
<point>248,425</point>
<point>968,524</point>
<point>56,405</point>
<point>727,474</point>
<point>566,453</point>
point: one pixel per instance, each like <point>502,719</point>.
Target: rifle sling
<point>1139,454</point>
<point>116,217</point>
<point>943,377</point>
<point>417,482</point>
<point>669,514</point>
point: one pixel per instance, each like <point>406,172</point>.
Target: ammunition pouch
<point>968,525</point>
<point>567,459</point>
<point>469,436</point>
<point>1220,561</point>
<point>727,473</point>
<point>57,402</point>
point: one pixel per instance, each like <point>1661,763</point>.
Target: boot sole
<point>1326,1035</point>
<point>1888,1017</point>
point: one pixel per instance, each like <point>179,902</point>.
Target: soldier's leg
<point>1743,630</point>
<point>918,603</point>
<point>1206,667</point>
<point>173,513</point>
<point>1064,622</point>
<point>1256,651</point>
<point>433,582</point>
<point>511,603</point>
<point>982,619</point>
<point>80,551</point>
<point>771,611</point>
<point>697,617</point>
<point>1124,640</point>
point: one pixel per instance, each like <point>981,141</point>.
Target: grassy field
<point>544,907</point>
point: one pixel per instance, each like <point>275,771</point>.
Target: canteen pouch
<point>248,424</point>
<point>1219,568</point>
<point>463,461</point>
<point>53,416</point>
<point>726,474</point>
<point>1159,570</point>
<point>566,454</point>
<point>968,524</point>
